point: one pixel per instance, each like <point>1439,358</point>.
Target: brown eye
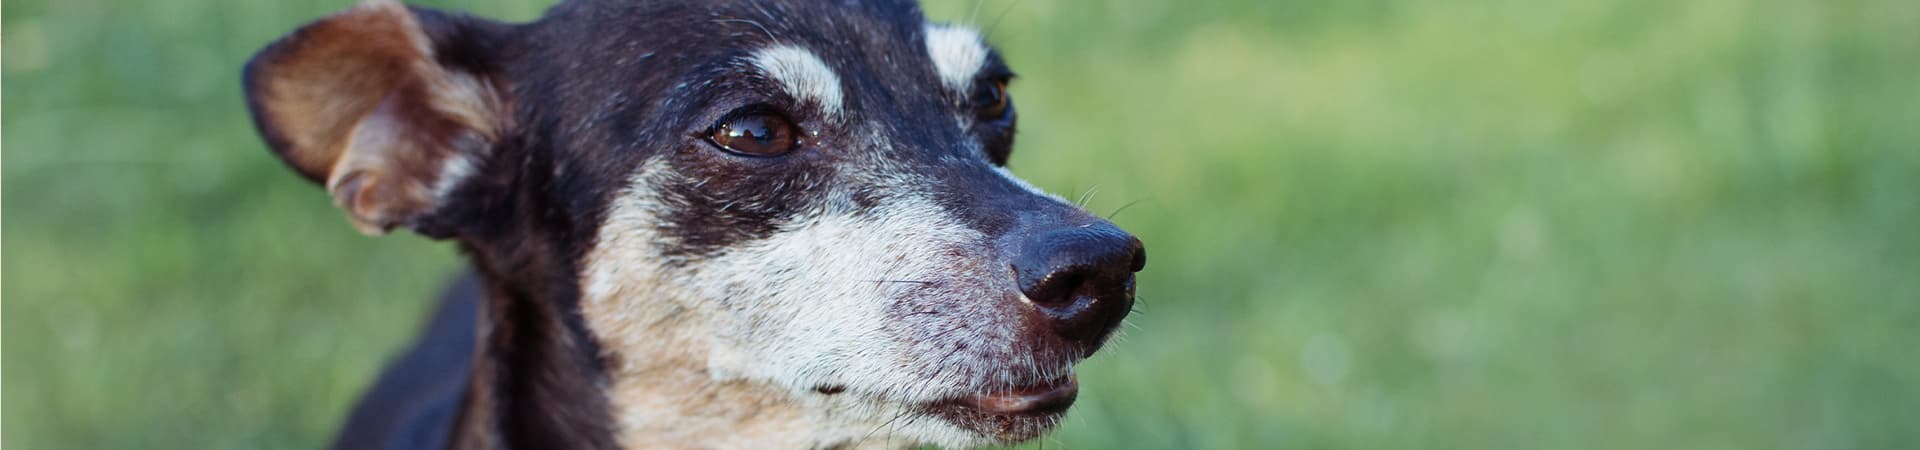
<point>992,100</point>
<point>755,133</point>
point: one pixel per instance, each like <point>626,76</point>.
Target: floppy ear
<point>388,114</point>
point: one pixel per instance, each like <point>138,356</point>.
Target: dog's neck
<point>536,378</point>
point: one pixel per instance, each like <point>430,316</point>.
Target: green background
<point>1374,224</point>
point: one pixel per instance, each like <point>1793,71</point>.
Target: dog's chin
<point>1012,415</point>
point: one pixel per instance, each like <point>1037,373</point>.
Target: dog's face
<point>807,196</point>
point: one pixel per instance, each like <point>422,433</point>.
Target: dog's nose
<point>1081,278</point>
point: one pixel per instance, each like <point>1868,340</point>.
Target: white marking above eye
<point>957,53</point>
<point>803,74</point>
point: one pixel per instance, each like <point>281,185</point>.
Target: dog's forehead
<point>834,54</point>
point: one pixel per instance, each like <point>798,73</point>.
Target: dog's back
<point>418,396</point>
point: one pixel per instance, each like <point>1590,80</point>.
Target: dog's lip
<point>1048,398</point>
<point>1014,414</point>
<point>1040,399</point>
<point>1011,415</point>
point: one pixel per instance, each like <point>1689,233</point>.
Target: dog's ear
<point>390,108</point>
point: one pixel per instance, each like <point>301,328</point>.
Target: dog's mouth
<point>1011,415</point>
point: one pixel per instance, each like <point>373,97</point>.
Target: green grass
<point>1373,224</point>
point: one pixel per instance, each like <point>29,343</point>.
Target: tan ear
<point>360,102</point>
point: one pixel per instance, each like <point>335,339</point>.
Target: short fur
<point>638,286</point>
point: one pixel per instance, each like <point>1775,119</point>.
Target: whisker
<point>896,417</point>
<point>756,24</point>
<point>1117,211</point>
<point>919,282</point>
<point>956,327</point>
<point>1087,195</point>
<point>1001,16</point>
<point>758,6</point>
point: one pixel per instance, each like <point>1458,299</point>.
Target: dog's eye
<point>755,133</point>
<point>992,99</point>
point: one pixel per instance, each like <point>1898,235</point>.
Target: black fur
<point>416,400</point>
<point>602,88</point>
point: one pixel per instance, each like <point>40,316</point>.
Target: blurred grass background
<point>1374,224</point>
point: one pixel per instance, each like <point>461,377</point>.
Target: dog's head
<point>808,196</point>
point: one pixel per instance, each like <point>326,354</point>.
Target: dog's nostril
<point>1080,278</point>
<point>1054,290</point>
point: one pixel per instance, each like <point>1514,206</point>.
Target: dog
<point>700,224</point>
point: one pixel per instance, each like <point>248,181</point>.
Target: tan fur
<point>358,101</point>
<point>664,396</point>
<point>664,393</point>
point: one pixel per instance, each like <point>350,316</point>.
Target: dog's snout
<point>1080,278</point>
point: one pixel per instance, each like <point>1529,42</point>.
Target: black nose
<point>1081,278</point>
